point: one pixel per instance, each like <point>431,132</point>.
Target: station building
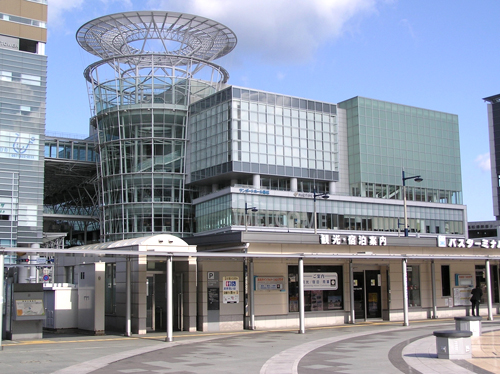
<point>340,211</point>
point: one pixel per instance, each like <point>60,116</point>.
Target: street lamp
<point>324,196</point>
<point>247,208</point>
<point>416,178</point>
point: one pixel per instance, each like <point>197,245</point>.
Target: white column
<point>128,306</point>
<point>251,295</point>
<point>302,329</point>
<point>351,291</point>
<point>489,290</point>
<point>433,281</point>
<point>332,186</point>
<point>169,300</point>
<point>293,184</point>
<point>256,181</point>
<point>405,292</point>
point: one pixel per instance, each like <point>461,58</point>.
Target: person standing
<point>477,293</point>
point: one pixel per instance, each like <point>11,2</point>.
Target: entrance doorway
<point>156,302</point>
<point>367,294</point>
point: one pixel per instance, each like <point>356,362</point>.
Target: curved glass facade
<point>142,172</point>
<point>140,100</point>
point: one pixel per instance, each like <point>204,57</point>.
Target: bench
<point>469,323</point>
<point>453,344</point>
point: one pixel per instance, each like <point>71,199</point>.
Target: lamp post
<point>324,196</point>
<point>247,208</point>
<point>416,178</point>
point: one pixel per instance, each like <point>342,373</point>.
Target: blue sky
<point>440,55</point>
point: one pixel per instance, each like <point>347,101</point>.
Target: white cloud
<point>483,162</point>
<point>278,31</point>
<point>58,9</point>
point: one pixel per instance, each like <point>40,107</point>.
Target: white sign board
<point>320,281</point>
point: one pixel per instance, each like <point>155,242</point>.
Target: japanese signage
<point>270,283</point>
<point>320,281</point>
<point>468,243</point>
<point>362,240</point>
<point>254,191</point>
<point>213,290</point>
<point>463,280</point>
<point>230,290</point>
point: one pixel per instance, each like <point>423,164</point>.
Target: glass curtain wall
<point>142,141</point>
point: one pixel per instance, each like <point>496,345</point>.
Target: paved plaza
<point>375,347</point>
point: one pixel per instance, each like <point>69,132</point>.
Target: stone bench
<point>453,344</point>
<point>469,324</point>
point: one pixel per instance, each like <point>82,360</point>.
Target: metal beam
<point>179,252</point>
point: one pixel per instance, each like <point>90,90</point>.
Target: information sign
<point>230,290</point>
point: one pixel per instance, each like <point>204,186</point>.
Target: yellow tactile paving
<point>486,351</point>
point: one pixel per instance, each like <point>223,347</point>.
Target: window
<point>110,297</point>
<point>323,289</point>
<point>69,274</point>
<point>445,280</point>
<point>413,279</point>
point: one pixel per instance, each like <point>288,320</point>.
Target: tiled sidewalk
<point>421,355</point>
<point>486,351</point>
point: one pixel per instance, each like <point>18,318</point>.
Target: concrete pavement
<point>375,347</point>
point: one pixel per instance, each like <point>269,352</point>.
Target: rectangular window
<point>445,280</point>
<point>69,274</point>
<point>110,296</point>
<point>413,279</point>
<point>323,288</point>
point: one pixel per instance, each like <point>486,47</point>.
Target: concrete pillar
<point>169,301</point>
<point>332,187</point>
<point>293,184</point>
<point>302,328</point>
<point>128,298</point>
<point>405,292</point>
<point>351,291</point>
<point>433,281</point>
<point>488,288</point>
<point>256,181</point>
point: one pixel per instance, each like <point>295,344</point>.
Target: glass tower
<point>154,65</point>
<point>385,138</point>
<point>494,128</point>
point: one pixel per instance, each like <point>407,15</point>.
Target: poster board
<point>461,296</point>
<point>269,283</point>
<point>230,290</point>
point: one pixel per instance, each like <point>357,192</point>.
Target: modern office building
<point>183,153</point>
<point>23,79</point>
<point>494,128</point>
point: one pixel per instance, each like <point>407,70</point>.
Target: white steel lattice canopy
<point>179,34</point>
